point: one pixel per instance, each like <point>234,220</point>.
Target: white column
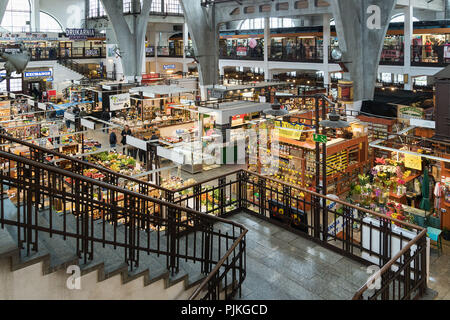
<point>185,44</point>
<point>326,45</point>
<point>35,16</point>
<point>156,52</point>
<point>408,11</point>
<point>267,75</point>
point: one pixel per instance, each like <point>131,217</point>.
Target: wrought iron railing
<point>55,202</point>
<point>361,234</point>
<point>396,247</point>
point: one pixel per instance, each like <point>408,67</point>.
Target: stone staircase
<point>150,280</point>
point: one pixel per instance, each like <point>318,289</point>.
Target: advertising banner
<point>119,101</point>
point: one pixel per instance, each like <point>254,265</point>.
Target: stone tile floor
<point>284,266</point>
<point>440,272</point>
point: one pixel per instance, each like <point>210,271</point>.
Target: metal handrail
<point>16,158</point>
<point>216,269</point>
<point>388,265</point>
<point>84,163</point>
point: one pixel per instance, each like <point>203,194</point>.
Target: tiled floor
<point>440,272</point>
<point>282,265</point>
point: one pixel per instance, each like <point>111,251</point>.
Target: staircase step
<point>7,244</point>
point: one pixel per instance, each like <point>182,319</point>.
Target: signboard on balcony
<point>92,52</point>
<point>37,74</point>
<point>241,51</point>
<point>79,34</point>
<point>119,101</point>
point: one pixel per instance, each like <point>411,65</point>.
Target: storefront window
<point>17,16</point>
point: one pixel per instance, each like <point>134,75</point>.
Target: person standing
<point>428,49</point>
<point>125,132</point>
<point>113,139</point>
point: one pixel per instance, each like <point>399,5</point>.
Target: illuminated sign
<point>37,74</point>
<point>168,66</point>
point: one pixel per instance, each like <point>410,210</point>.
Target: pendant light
<point>334,121</point>
<point>276,110</point>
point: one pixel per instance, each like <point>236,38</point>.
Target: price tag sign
<point>320,138</point>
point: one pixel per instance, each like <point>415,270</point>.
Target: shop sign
<point>79,34</point>
<point>241,51</point>
<point>91,52</point>
<point>88,124</point>
<point>423,123</point>
<point>69,116</point>
<point>289,125</point>
<point>320,138</point>
<point>150,76</point>
<point>170,155</point>
<point>168,66</point>
<point>138,143</point>
<point>37,74</point>
<point>413,162</point>
<point>119,101</point>
<point>409,112</point>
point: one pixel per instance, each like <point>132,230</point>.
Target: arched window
<point>48,23</point>
<point>17,16</point>
<point>401,18</point>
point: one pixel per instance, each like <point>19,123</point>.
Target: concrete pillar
<point>204,35</point>
<point>409,32</point>
<point>156,52</point>
<point>130,36</point>
<point>266,48</point>
<point>35,16</point>
<point>326,46</point>
<point>447,9</point>
<point>3,5</point>
<point>361,27</point>
<point>185,45</point>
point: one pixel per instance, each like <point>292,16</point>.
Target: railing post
<point>240,178</point>
<point>222,193</point>
<point>171,234</point>
<point>407,275</point>
<point>423,268</point>
<point>287,201</point>
<point>262,196</point>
